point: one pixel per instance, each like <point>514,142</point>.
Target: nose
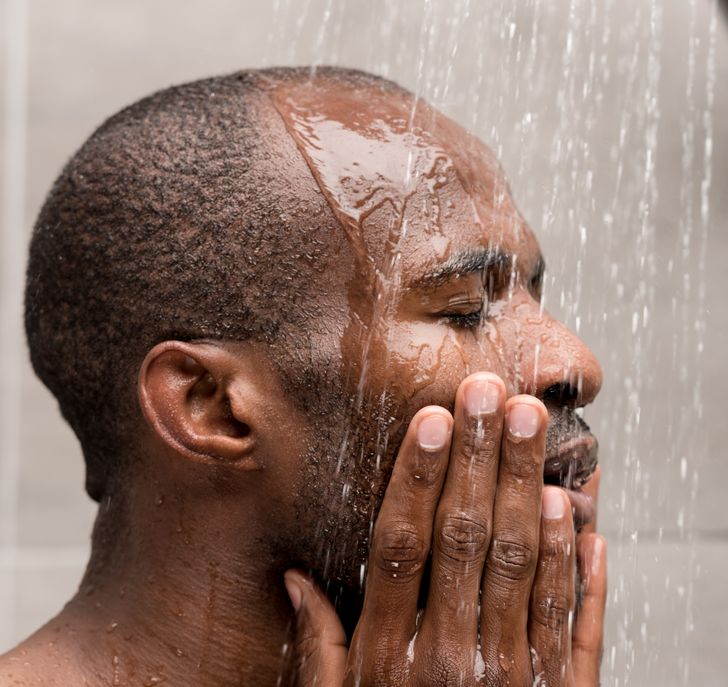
<point>551,362</point>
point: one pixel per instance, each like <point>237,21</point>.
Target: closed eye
<point>464,313</point>
<point>465,321</point>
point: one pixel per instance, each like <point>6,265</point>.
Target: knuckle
<point>400,550</point>
<point>512,560</point>
<point>462,538</point>
<point>555,548</point>
<point>427,469</point>
<point>553,612</point>
<point>446,667</point>
<point>524,459</point>
<point>479,443</point>
<point>307,650</point>
<point>587,646</point>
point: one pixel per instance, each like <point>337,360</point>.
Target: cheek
<point>427,361</point>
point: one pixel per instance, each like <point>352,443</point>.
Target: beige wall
<point>575,137</point>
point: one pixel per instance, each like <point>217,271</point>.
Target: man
<point>261,301</point>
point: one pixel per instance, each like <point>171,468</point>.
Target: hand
<point>591,554</point>
<point>501,588</point>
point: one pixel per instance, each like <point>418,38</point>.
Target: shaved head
<point>188,215</point>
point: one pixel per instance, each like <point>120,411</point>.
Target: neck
<point>177,600</point>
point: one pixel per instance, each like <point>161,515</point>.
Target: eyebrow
<point>473,261</point>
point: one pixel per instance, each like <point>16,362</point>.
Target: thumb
<point>320,641</point>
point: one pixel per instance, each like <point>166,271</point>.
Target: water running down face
<point>446,281</point>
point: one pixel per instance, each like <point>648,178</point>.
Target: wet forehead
<point>394,170</point>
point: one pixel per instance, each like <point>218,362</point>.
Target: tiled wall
<point>67,65</point>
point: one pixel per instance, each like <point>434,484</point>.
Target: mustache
<point>571,449</point>
<point>564,425</point>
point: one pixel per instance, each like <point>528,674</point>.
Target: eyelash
<point>468,320</point>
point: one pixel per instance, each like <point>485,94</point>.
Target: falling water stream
<point>570,95</point>
<point>603,116</point>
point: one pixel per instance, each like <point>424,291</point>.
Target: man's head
<point>241,290</point>
<point>180,218</point>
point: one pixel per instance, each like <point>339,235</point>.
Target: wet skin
<point>445,281</point>
<point>448,281</point>
<point>239,481</point>
<point>496,611</point>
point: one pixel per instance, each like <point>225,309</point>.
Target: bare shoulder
<point>15,671</point>
<point>38,664</point>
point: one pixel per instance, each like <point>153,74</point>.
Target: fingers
<point>462,528</point>
<point>591,489</point>
<point>588,633</point>
<point>552,597</point>
<point>402,537</point>
<point>511,562</point>
<point>320,642</point>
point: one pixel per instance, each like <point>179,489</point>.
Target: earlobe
<point>193,397</point>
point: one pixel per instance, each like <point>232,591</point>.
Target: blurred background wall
<point>611,119</point>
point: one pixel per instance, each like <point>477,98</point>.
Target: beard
<point>345,477</point>
<point>344,473</point>
<point>346,468</point>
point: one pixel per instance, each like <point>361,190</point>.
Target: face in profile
<point>241,291</point>
<point>443,279</point>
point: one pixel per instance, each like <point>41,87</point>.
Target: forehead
<point>400,176</point>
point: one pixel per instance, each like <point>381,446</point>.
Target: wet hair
<point>177,219</point>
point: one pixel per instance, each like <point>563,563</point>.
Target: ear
<point>199,402</point>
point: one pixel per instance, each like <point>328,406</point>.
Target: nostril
<point>561,394</point>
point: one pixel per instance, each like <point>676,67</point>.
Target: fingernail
<point>294,591</point>
<point>553,504</point>
<point>432,432</point>
<point>523,420</point>
<point>482,396</point>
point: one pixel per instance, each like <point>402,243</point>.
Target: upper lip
<point>572,462</point>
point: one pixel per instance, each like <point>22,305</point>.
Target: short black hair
<point>168,223</point>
